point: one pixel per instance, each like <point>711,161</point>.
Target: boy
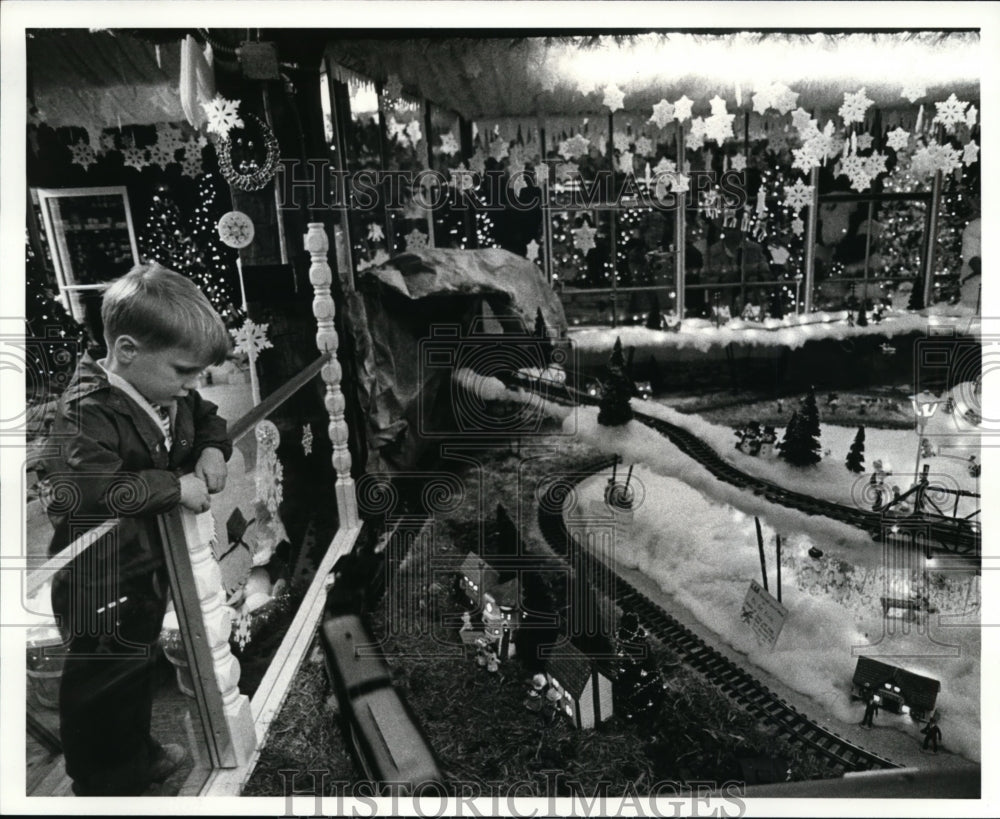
<point>128,431</point>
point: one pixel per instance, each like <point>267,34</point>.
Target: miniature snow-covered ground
<point>695,537</point>
<point>952,436</point>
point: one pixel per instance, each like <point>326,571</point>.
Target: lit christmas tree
<point>215,269</point>
<point>617,391</point>
<point>165,238</point>
<point>639,689</point>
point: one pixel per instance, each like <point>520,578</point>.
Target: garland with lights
<point>251,175</point>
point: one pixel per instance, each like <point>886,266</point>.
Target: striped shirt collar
<point>149,408</point>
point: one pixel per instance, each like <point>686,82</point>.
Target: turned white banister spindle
<point>320,275</point>
<point>199,532</point>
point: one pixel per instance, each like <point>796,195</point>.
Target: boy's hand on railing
<point>194,494</point>
<point>211,468</point>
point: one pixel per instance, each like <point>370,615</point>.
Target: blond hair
<point>161,308</point>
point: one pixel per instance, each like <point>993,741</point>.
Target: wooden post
<point>760,548</point>
<point>680,239</point>
<point>934,209</point>
<point>199,600</point>
<point>810,265</point>
<point>320,275</point>
<point>777,544</point>
<point>612,224</point>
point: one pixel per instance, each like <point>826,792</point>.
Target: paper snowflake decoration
<point>161,155</point>
<point>307,439</point>
<point>574,147</point>
<point>250,339</point>
<point>393,89</point>
<point>517,181</point>
<point>971,116</point>
<point>567,171</point>
<point>933,157</point>
<point>499,149</point>
<point>718,105</point>
<point>461,178</point>
<point>449,145</point>
<point>913,91</point>
<point>854,106</point>
<point>375,232</point>
<point>798,226</point>
<point>798,196</point>
<point>415,240</point>
<point>864,141</point>
<point>852,165</point>
<point>805,158</point>
<point>719,127</point>
<point>169,136</point>
<point>235,229</point>
<point>762,98</point>
<point>620,141</point>
<point>951,112</point>
<point>643,146</point>
<point>106,142</point>
<point>682,108</point>
<point>777,142</point>
<point>665,166</point>
<point>694,140</point>
<point>614,97</point>
<point>222,115</point>
<point>783,98</point>
<point>663,113</point>
<point>802,120</point>
<point>739,163</point>
<point>583,239</point>
<point>664,182</point>
<point>134,157</point>
<point>681,183</point>
<point>898,139</point>
<point>477,164</point>
<point>875,164</point>
<point>532,252</point>
<point>625,163</point>
<point>191,165</point>
<point>83,155</point>
<point>970,154</point>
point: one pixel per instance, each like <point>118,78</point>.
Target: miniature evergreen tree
<point>916,296</point>
<point>856,457</point>
<point>799,447</point>
<point>810,414</point>
<point>639,688</point>
<point>616,392</point>
<point>790,432</point>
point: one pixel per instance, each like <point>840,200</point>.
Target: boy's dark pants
<point>108,679</point>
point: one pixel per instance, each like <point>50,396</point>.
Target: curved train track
<point>838,753</point>
<point>955,535</point>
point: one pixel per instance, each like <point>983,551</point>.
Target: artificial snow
<point>790,332</point>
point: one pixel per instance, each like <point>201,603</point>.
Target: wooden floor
<point>175,720</point>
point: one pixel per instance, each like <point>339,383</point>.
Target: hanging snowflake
<point>477,164</point>
<point>682,183</point>
<point>461,179</point>
<point>567,171</point>
<point>250,339</point>
<point>864,142</point>
<point>970,154</point>
<point>694,140</point>
<point>951,112</point>
<point>784,99</point>
<point>854,107</point>
<point>913,91</point>
<point>83,155</point>
<point>307,439</point>
<point>241,628</point>
<point>413,132</point>
<point>719,127</point>
<point>583,239</point>
<point>625,163</point>
<point>805,159</point>
<point>499,149</point>
<point>415,240</point>
<point>160,155</point>
<point>763,98</point>
<point>875,164</point>
<point>449,145</point>
<point>682,108</point>
<point>375,232</point>
<point>798,226</point>
<point>192,164</point>
<point>107,142</point>
<point>134,157</point>
<point>235,230</point>
<point>971,116</point>
<point>777,142</point>
<point>739,163</point>
<point>898,139</point>
<point>664,182</point>
<point>575,146</point>
<point>803,121</point>
<point>620,141</point>
<point>532,253</point>
<point>644,146</point>
<point>517,181</point>
<point>931,158</point>
<point>663,113</point>
<point>169,136</point>
<point>614,97</point>
<point>222,115</point>
<point>798,196</point>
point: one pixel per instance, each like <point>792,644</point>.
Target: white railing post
<point>320,275</point>
<point>205,625</point>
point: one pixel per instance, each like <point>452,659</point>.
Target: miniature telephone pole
<point>777,543</point>
<point>760,548</point>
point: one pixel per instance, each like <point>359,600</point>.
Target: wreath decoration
<point>251,175</point>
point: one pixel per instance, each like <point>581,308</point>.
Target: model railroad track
<point>838,753</point>
<point>955,534</point>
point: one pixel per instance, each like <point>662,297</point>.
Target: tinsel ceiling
<point>517,77</point>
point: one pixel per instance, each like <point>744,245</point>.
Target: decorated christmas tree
<point>165,237</point>
<point>856,457</point>
<point>615,408</point>
<point>799,447</point>
<point>639,689</point>
<point>215,268</point>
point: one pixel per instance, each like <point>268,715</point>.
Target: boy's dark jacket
<point>105,458</point>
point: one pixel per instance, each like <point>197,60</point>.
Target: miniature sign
<point>765,615</point>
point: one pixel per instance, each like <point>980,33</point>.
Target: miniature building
<point>898,690</point>
<point>585,691</point>
<point>475,575</point>
<point>502,615</point>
